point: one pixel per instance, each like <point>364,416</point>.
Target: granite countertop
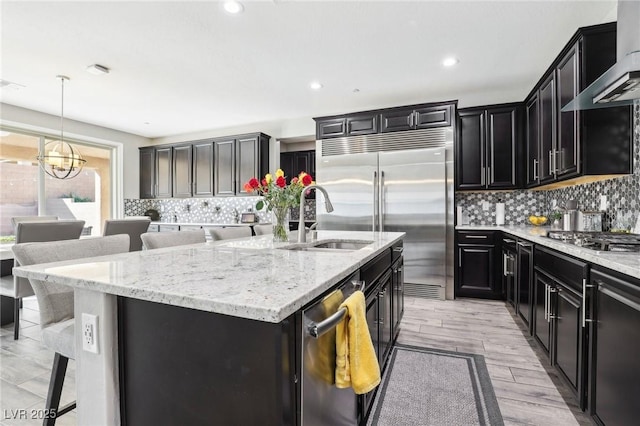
<point>625,263</point>
<point>248,278</point>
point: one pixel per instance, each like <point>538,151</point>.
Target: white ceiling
<point>188,66</point>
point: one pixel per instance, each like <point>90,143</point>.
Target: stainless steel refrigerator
<point>374,187</point>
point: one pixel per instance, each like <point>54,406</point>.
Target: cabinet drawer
<point>374,269</point>
<point>569,271</point>
<point>476,237</point>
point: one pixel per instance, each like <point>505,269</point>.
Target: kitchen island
<point>201,333</point>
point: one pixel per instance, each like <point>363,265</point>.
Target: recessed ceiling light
<point>356,90</point>
<point>233,7</point>
<point>450,61</point>
<point>96,69</point>
<point>315,85</point>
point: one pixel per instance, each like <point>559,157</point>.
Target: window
<point>27,191</point>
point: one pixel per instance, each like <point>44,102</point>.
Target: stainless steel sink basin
<point>332,245</point>
<point>342,245</point>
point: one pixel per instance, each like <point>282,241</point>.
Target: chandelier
<point>60,159</point>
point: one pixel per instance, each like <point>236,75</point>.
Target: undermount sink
<point>329,245</point>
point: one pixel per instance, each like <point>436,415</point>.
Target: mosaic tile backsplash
<point>623,196</point>
<point>207,210</point>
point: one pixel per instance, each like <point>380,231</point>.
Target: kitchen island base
<point>184,366</point>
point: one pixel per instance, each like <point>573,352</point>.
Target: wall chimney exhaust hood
<point>620,84</point>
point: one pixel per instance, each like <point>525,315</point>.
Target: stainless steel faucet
<point>302,236</point>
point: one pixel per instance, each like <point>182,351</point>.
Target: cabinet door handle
<point>482,237</point>
<point>506,240</point>
<point>551,162</point>
<point>459,258</point>
<point>526,245</point>
<point>546,302</point>
<point>535,169</point>
<point>482,176</point>
<point>489,181</point>
<point>585,286</point>
<point>504,264</point>
<point>412,119</point>
<point>375,201</point>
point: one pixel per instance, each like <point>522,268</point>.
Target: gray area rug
<point>433,387</point>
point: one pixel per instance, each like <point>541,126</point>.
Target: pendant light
<point>60,159</point>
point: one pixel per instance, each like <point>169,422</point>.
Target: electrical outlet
<point>90,333</point>
<point>485,206</point>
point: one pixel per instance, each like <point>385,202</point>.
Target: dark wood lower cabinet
<point>478,265</point>
<point>569,350</point>
<point>559,283</point>
<point>614,375</point>
<point>524,274</point>
<point>542,326</point>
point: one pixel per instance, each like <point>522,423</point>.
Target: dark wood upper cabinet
<point>332,128</point>
<point>411,117</point>
<point>470,150</point>
<point>548,114</point>
<point>396,121</point>
<point>488,147</point>
<point>533,141</point>
<point>577,143</point>
<point>502,146</point>
<point>568,84</point>
<point>432,117</point>
<point>164,172</point>
<point>362,125</point>
<point>225,167</point>
<point>247,152</point>
<point>239,159</point>
<point>203,167</point>
<point>182,171</point>
<point>147,172</point>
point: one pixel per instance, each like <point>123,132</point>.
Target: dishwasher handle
<point>318,329</point>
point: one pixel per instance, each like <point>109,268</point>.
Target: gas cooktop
<point>603,241</point>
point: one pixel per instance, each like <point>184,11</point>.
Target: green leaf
<point>259,205</point>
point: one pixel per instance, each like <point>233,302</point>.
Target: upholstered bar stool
<point>56,303</point>
<point>132,227</point>
<point>230,233</point>
<point>29,229</point>
<point>156,240</point>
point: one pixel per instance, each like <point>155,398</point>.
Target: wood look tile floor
<point>528,391</point>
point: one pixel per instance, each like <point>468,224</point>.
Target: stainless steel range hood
<point>620,84</point>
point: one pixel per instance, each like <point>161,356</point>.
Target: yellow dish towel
<point>322,364</point>
<point>356,362</point>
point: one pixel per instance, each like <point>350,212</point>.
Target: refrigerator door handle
<point>381,201</point>
<point>375,201</point>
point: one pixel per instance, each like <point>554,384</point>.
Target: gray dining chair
<point>263,229</point>
<point>56,304</point>
<point>35,231</point>
<point>230,233</point>
<point>17,219</point>
<point>132,227</point>
<point>156,240</point>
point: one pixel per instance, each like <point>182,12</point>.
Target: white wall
<point>276,129</point>
<point>18,118</point>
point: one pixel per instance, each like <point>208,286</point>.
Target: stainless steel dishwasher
<point>322,402</point>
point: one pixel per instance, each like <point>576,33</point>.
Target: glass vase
<point>281,224</point>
